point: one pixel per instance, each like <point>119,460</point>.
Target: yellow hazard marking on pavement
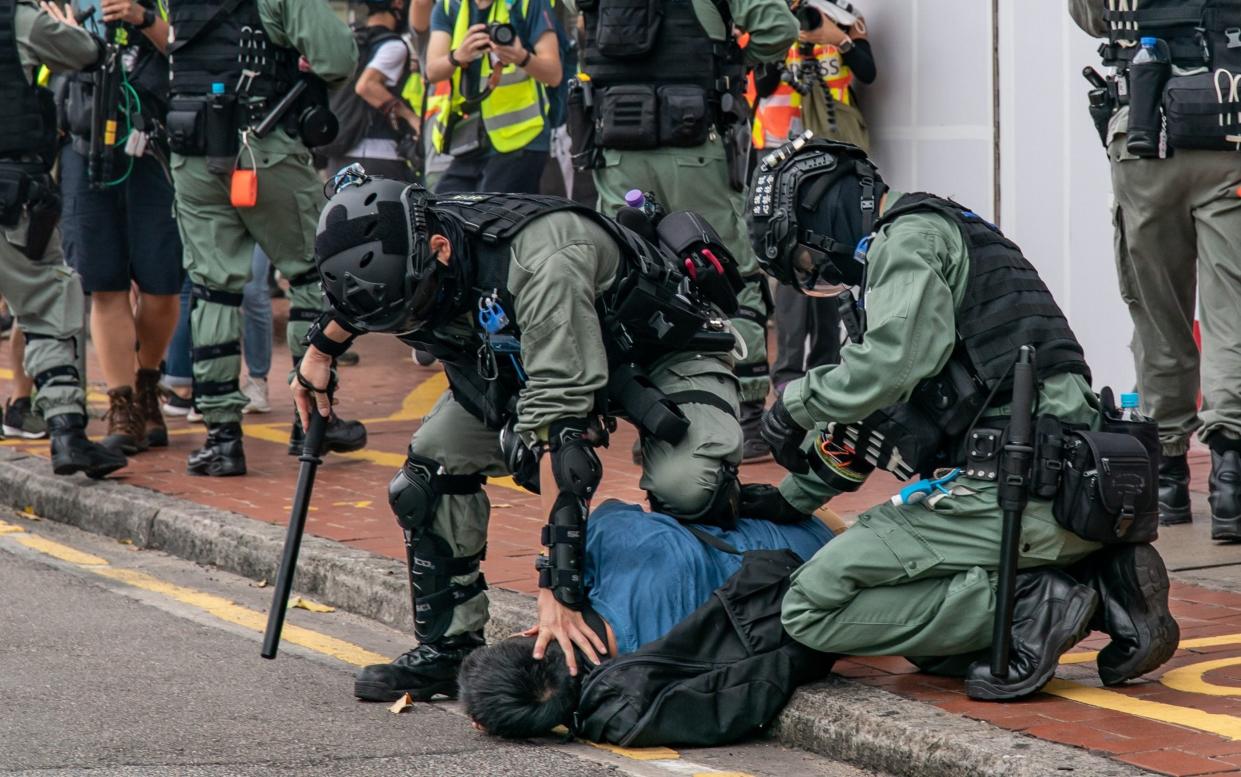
<point>1221,725</point>
<point>1190,678</point>
<point>1185,644</point>
<point>419,402</point>
<point>637,753</point>
<point>62,552</point>
<point>362,504</point>
<point>8,528</point>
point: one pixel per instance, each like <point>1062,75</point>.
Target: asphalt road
<point>115,661</point>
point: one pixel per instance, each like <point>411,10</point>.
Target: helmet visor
<point>816,275</point>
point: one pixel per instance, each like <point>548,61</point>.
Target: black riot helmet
<point>812,201</point>
<point>373,253</point>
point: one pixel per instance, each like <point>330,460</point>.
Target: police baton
<point>1014,493</point>
<point>312,446</point>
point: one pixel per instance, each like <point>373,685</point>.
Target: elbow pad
<point>577,472</point>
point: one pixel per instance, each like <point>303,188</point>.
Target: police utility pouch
<point>627,117</point>
<point>14,193</point>
<point>1202,111</point>
<point>580,123</point>
<point>1107,493</point>
<point>684,115</point>
<point>627,29</point>
<point>706,261</point>
<point>186,124</point>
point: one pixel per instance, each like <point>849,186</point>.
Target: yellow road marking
<point>62,552</point>
<point>638,753</point>
<point>418,402</point>
<point>8,528</point>
<point>1185,644</point>
<point>1221,725</point>
<point>1190,678</point>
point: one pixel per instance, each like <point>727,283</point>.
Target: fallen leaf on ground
<point>299,603</point>
<point>260,584</point>
<point>501,506</point>
<point>126,542</point>
<point>402,704</point>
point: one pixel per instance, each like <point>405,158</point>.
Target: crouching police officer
<point>241,116</point>
<point>547,318</point>
<point>946,303</point>
<point>44,294</point>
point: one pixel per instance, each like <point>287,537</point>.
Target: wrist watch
<point>453,59</point>
<point>845,46</point>
<point>148,18</point>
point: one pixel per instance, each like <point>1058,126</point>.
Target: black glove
<point>766,503</point>
<point>785,437</point>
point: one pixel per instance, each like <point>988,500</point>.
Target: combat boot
<point>753,447</point>
<point>1174,505</point>
<point>1051,614</point>
<point>126,425</point>
<point>222,456</point>
<point>341,436</point>
<point>1132,584</point>
<point>423,672</point>
<point>146,395</point>
<point>1225,495</point>
<point>73,452</point>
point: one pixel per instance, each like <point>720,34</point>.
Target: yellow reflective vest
<point>515,109</point>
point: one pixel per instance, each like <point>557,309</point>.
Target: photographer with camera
<point>117,224</point>
<point>248,99</point>
<point>812,89</point>
<point>43,294</point>
<point>376,122</point>
<point>499,59</point>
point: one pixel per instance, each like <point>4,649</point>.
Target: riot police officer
<point>44,294</point>
<point>548,318</point>
<point>232,63</point>
<point>1177,221</point>
<point>946,301</point>
<point>664,94</point>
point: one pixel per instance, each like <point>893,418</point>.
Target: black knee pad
<point>415,489</point>
<point>720,510</point>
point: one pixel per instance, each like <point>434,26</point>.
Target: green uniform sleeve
<point>317,32</point>
<point>44,41</point>
<point>555,272</point>
<point>1089,16</point>
<point>909,329</point>
<point>772,27</point>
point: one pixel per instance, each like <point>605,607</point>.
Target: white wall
<point>933,128</point>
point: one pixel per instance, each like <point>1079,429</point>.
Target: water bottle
<point>645,202</point>
<point>1129,408</point>
<point>1147,75</point>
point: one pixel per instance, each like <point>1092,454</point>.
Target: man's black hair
<point>510,694</point>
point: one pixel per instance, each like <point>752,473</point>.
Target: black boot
<point>753,447</point>
<point>341,436</point>
<point>73,452</point>
<point>1225,496</point>
<point>1174,491</point>
<point>423,672</point>
<point>1132,584</point>
<point>1052,614</point>
<point>222,456</point>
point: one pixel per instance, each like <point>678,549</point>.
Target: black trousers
<point>518,172</point>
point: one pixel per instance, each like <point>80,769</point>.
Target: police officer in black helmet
<point>549,319</point>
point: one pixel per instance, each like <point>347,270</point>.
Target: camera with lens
<point>809,18</point>
<point>501,33</point>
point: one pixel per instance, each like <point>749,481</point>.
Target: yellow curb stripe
<point>62,552</point>
<point>637,753</point>
<point>1190,678</point>
<point>1185,644</point>
<point>8,528</point>
<point>1221,725</point>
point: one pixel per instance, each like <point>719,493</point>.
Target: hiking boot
<point>21,421</point>
<point>146,395</point>
<point>1052,614</point>
<point>753,447</point>
<point>341,436</point>
<point>73,452</point>
<point>1174,505</point>
<point>1132,584</point>
<point>222,456</point>
<point>126,426</point>
<point>1225,495</point>
<point>423,672</point>
<point>256,396</point>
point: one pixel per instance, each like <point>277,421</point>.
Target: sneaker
<point>256,392</point>
<point>194,417</point>
<point>176,405</point>
<point>21,421</point>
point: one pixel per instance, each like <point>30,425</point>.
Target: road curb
<point>838,718</point>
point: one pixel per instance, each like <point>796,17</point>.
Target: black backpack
<point>352,112</point>
<point>720,674</point>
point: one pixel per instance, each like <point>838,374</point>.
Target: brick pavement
<point>1184,721</point>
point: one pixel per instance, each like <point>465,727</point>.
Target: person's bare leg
<point>23,385</point>
<point>112,329</point>
<point>154,324</point>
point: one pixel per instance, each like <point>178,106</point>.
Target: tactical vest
<point>27,111</point>
<point>481,374</point>
<point>1199,33</point>
<point>370,40</point>
<point>216,42</point>
<point>1006,304</point>
<point>778,117</point>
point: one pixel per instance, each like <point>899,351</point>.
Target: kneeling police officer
<point>549,318</point>
<point>946,302</point>
<point>44,294</point>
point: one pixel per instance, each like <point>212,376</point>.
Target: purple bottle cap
<point>634,198</point>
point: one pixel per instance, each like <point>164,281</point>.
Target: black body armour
<point>483,363</point>
<point>1194,30</point>
<point>1006,305</point>
<point>27,111</point>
